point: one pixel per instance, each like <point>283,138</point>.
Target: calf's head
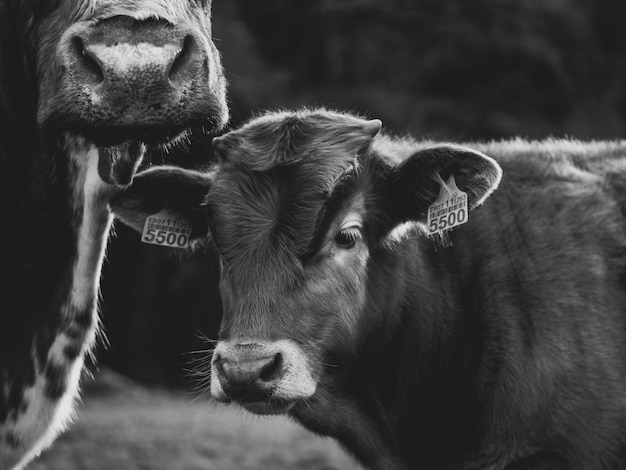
<point>300,209</point>
<point>123,73</point>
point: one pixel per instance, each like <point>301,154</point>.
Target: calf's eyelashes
<point>347,237</point>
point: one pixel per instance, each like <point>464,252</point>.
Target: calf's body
<point>499,345</point>
<point>507,347</point>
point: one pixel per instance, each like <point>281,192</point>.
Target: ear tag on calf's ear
<point>166,228</point>
<point>449,210</point>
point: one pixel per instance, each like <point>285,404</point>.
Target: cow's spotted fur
<point>36,410</point>
<point>58,175</point>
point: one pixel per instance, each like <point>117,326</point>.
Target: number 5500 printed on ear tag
<point>449,210</point>
<point>166,228</point>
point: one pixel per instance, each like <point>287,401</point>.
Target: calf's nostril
<point>273,369</point>
<point>249,372</point>
<point>217,363</point>
<point>85,63</point>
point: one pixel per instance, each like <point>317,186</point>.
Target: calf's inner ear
<point>415,184</point>
<point>180,191</point>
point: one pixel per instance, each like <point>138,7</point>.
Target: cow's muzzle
<point>147,80</point>
<point>265,378</point>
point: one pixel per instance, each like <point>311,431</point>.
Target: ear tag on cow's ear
<point>449,210</point>
<point>166,228</point>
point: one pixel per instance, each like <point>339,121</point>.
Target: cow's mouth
<point>118,164</point>
<point>105,136</point>
<point>121,149</point>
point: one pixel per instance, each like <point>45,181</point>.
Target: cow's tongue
<point>117,164</point>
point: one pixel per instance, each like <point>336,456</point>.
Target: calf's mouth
<point>269,407</point>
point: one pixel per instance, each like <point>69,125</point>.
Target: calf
<point>500,344</point>
<point>84,85</point>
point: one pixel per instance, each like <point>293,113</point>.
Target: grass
<point>122,425</point>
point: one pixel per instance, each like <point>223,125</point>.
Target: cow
<point>350,306</point>
<point>85,88</point>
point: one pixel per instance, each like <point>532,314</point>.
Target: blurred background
<point>444,69</point>
<point>454,70</point>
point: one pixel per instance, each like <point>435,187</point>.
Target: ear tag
<point>166,228</point>
<point>449,210</point>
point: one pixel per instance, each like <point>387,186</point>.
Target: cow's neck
<point>55,251</point>
<point>95,221</point>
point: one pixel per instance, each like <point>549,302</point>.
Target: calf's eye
<point>346,237</point>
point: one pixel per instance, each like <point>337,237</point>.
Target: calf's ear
<point>415,184</point>
<point>179,191</point>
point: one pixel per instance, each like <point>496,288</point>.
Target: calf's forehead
<point>269,202</point>
<point>278,208</point>
<point>277,173</point>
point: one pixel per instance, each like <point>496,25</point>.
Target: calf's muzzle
<point>263,377</point>
<point>248,372</point>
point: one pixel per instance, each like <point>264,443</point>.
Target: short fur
<point>505,350</point>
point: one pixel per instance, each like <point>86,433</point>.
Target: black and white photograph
<point>313,235</point>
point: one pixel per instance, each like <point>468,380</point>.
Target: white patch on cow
<point>127,59</point>
<point>401,232</point>
<point>32,426</point>
<point>95,224</point>
<point>45,418</point>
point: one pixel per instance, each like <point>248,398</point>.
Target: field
<point>122,425</point>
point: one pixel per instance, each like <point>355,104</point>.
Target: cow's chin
<point>271,407</point>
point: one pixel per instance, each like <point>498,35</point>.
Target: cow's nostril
<point>85,63</point>
<point>217,361</point>
<point>272,370</point>
<point>182,64</point>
